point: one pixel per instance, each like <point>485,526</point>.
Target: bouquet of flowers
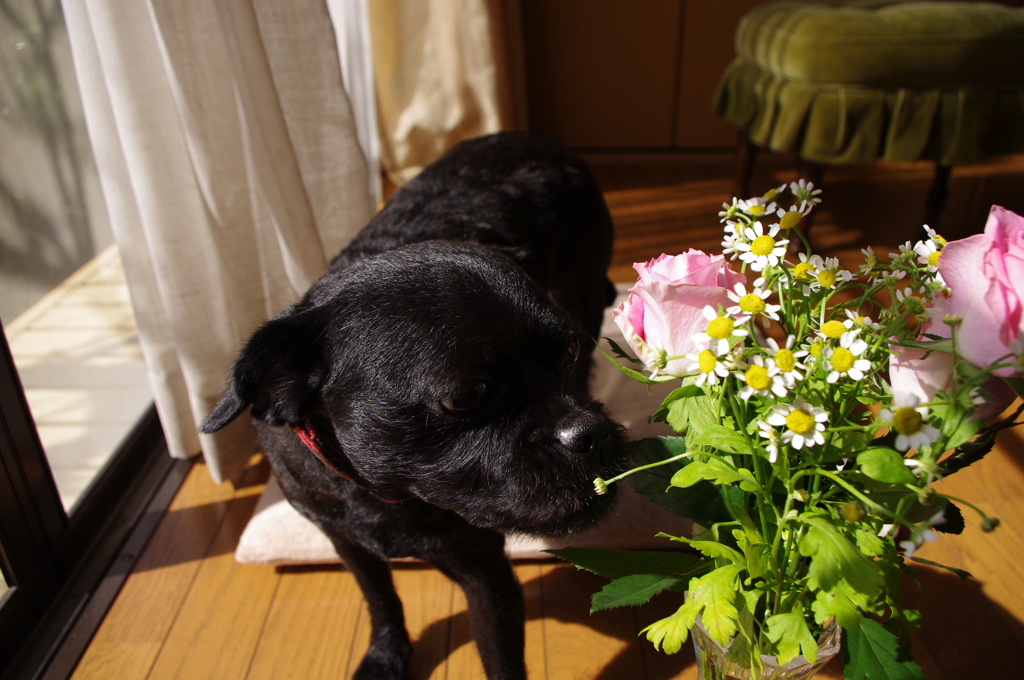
<point>815,408</point>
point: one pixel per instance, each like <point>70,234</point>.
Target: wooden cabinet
<point>629,74</point>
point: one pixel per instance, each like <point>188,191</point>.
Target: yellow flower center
<point>933,259</point>
<point>790,219</point>
<point>827,279</point>
<point>785,360</point>
<point>852,511</point>
<point>914,304</point>
<point>842,359</point>
<point>770,194</point>
<point>755,210</point>
<point>941,241</point>
<point>720,327</point>
<point>762,246</point>
<point>816,348</point>
<point>752,304</point>
<point>757,377</point>
<point>833,329</point>
<point>707,361</point>
<point>800,421</point>
<point>803,271</point>
<point>906,420</point>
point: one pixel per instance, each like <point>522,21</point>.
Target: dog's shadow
<point>943,648</point>
<point>562,595</point>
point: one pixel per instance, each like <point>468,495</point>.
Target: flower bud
<point>852,511</point>
<point>952,320</point>
<point>600,486</point>
<point>801,495</point>
<point>926,496</point>
<point>989,524</point>
<point>661,359</point>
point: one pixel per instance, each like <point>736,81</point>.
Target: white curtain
<point>231,164</point>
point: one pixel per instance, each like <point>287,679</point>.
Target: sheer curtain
<point>237,144</point>
<point>231,167</point>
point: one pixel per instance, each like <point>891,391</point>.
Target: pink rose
<point>663,311</point>
<point>924,374</point>
<point>985,274</point>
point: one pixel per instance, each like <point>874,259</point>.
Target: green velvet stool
<point>854,82</point>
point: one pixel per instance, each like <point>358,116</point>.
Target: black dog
<point>422,399</point>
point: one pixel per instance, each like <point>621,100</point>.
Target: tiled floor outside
<point>78,356</point>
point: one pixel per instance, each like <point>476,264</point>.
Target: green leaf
<point>842,602</point>
<point>715,470</point>
<point>619,563</point>
<point>791,636</point>
<point>716,550</point>
<point>635,375</point>
<point>870,652</point>
<point>715,593</point>
<point>702,502</point>
<point>633,590</point>
<point>673,408</point>
<point>724,439</point>
<point>884,465</point>
<point>669,634</point>
<point>621,353</point>
<point>834,557</point>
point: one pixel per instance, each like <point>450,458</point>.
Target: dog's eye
<point>572,354</point>
<point>467,400</point>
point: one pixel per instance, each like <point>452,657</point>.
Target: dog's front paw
<point>384,662</point>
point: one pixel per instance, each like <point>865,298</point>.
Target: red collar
<point>334,461</point>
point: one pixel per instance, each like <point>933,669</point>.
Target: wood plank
<point>581,645</point>
<point>312,627</point>
<point>130,637</point>
<point>427,598</point>
<point>218,626</point>
<point>531,577</point>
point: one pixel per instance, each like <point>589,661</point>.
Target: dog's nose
<point>583,433</point>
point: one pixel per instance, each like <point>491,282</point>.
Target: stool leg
<point>937,195</point>
<point>746,158</point>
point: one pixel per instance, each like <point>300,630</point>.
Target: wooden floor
<point>189,611</point>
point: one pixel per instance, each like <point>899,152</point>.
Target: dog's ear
<point>279,372</point>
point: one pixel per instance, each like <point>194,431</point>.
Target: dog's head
<point>441,371</point>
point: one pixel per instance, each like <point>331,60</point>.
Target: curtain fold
<point>232,169</point>
<point>446,70</point>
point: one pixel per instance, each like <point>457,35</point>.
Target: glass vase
<point>713,665</point>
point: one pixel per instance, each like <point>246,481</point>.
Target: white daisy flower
<point>774,441</point>
<point>860,320</point>
<point>913,301</point>
<point>757,207</point>
<point>709,367</point>
<point>787,361</point>
<point>733,235</point>
<point>806,269</point>
<point>804,191</point>
<point>834,329</point>
<point>830,274</point>
<point>728,211</point>
<point>910,420</point>
<point>721,331</point>
<point>922,532</point>
<point>753,303</point>
<point>762,249</point>
<point>934,237</point>
<point>760,378</point>
<point>790,218</point>
<point>842,361</point>
<point>804,423</point>
<point>870,261</point>
<point>928,253</point>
